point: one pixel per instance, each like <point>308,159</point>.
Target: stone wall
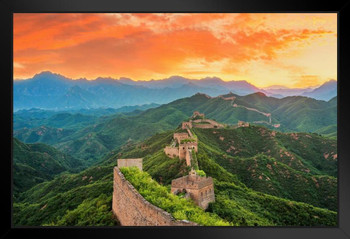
<point>204,196</point>
<point>182,152</point>
<point>171,152</point>
<point>188,157</point>
<point>137,162</point>
<point>180,136</point>
<point>190,145</point>
<point>203,126</point>
<point>213,122</point>
<point>229,98</point>
<point>131,209</point>
<point>189,132</point>
<point>183,148</point>
<point>186,124</point>
<point>210,124</point>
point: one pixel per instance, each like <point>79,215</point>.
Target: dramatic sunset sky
<point>295,50</point>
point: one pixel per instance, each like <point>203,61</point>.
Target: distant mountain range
<point>48,90</point>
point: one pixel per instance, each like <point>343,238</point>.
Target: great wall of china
<point>268,115</point>
<point>142,213</point>
<point>131,209</point>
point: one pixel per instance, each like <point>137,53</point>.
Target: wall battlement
<point>185,150</point>
<point>137,162</point>
<point>132,209</point>
<point>171,152</point>
<point>180,136</point>
<point>182,151</point>
<point>192,181</point>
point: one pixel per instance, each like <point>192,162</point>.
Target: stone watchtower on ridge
<point>199,189</point>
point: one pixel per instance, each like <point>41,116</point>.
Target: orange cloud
<point>310,80</point>
<point>146,46</point>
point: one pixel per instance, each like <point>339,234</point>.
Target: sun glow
<point>295,50</point>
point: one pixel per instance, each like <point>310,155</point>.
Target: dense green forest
<point>35,163</point>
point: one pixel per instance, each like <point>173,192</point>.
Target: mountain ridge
<point>54,91</point>
<point>297,113</point>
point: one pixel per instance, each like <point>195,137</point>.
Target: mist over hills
<point>48,90</point>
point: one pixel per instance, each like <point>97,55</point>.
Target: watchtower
<point>199,189</point>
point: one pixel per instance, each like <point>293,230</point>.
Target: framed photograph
<point>189,119</point>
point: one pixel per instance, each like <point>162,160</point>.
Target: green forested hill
<point>262,176</point>
<point>99,136</point>
<point>51,119</point>
<point>309,153</point>
<point>35,163</point>
<point>299,114</point>
<point>280,164</point>
<point>328,131</point>
<point>270,164</point>
<point>251,188</point>
<point>42,134</point>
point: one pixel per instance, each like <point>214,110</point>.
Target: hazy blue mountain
<point>279,91</point>
<point>238,87</point>
<point>53,91</point>
<point>333,101</point>
<point>325,92</point>
<point>171,82</point>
